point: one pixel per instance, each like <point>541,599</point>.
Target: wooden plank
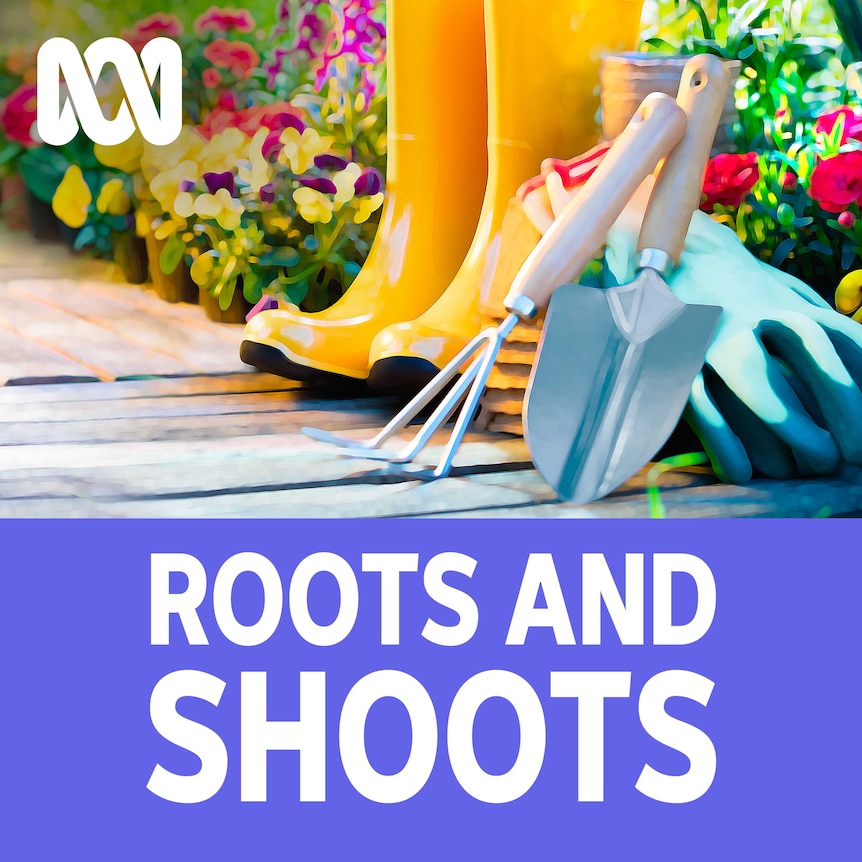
<point>92,297</point>
<point>197,349</point>
<point>186,405</point>
<point>830,497</point>
<point>293,464</point>
<point>21,358</point>
<point>156,387</point>
<point>186,427</point>
<point>106,354</point>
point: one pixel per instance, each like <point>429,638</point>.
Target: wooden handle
<point>579,232</point>
<point>702,94</point>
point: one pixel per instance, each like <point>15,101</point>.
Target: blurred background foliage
<point>86,20</point>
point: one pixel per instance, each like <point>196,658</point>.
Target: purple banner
<point>405,690</point>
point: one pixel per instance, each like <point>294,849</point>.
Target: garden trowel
<point>614,367</point>
<point>572,241</point>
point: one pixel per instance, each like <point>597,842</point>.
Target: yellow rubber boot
<point>436,174</point>
<point>543,88</point>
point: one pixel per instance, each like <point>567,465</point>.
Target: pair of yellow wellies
<point>479,92</point>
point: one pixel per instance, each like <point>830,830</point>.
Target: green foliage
<point>848,15</point>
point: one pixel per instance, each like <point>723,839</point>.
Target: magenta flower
<point>319,184</point>
<point>271,146</point>
<point>852,124</point>
<point>267,193</point>
<point>216,181</point>
<point>330,162</point>
<point>369,182</point>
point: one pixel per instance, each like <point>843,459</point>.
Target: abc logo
<point>56,111</point>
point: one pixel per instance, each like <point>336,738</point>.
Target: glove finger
<point>769,456</point>
<point>800,288</point>
<point>808,351</point>
<point>846,337</point>
<point>755,377</point>
<point>725,451</point>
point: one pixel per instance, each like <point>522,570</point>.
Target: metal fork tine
<point>410,410</point>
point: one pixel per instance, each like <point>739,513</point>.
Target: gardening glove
<point>780,390</point>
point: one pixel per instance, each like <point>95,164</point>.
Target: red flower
<point>18,114</point>
<point>729,178</point>
<point>216,20</point>
<point>211,77</point>
<point>852,124</point>
<point>837,182</point>
<point>276,117</point>
<point>239,57</point>
<point>151,27</point>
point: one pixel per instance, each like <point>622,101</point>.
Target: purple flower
<point>216,181</point>
<point>187,185</point>
<point>319,184</point>
<point>272,146</point>
<point>329,162</point>
<point>267,193</point>
<point>369,182</point>
<point>273,66</point>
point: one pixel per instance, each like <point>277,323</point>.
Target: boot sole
<point>273,361</point>
<point>401,375</point>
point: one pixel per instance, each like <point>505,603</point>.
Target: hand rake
<point>563,253</point>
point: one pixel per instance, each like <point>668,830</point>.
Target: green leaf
<point>782,252</point>
<point>85,236</point>
<point>280,256</point>
<point>171,254</point>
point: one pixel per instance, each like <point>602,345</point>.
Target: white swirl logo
<point>57,105</point>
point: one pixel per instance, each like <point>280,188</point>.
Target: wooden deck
<point>117,404</point>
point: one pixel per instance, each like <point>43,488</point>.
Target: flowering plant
<point>97,204</point>
<point>222,58</point>
<point>797,206</point>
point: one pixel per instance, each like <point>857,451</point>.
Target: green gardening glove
<point>779,394</point>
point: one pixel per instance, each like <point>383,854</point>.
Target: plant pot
<point>68,235</point>
<point>176,286</point>
<point>629,77</point>
<point>43,223</point>
<point>13,203</point>
<point>130,254</point>
<point>235,313</point>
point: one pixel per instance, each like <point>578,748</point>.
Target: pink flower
<point>852,124</point>
<point>216,20</point>
<point>789,181</point>
<point>152,27</point>
<point>847,219</point>
<point>18,114</point>
<point>729,178</point>
<point>211,77</point>
<point>227,100</point>
<point>837,182</point>
<point>239,58</point>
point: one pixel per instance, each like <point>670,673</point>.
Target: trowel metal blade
<point>612,375</point>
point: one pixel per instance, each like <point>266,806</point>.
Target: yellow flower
<point>168,227</point>
<point>72,198</point>
<point>187,147</point>
<point>223,151</point>
<point>113,198</point>
<point>299,150</point>
<point>184,205</point>
<point>142,223</point>
<point>259,173</point>
<point>848,297</point>
<point>125,157</point>
<point>367,206</point>
<point>165,185</point>
<point>220,207</point>
<point>345,182</point>
<point>314,206</point>
<point>202,268</point>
